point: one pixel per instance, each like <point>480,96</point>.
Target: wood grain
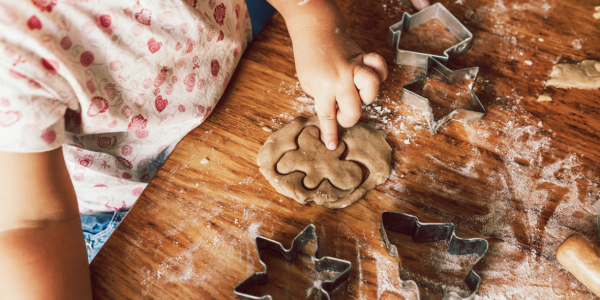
<point>524,178</point>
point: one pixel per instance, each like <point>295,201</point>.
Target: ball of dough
<point>297,163</point>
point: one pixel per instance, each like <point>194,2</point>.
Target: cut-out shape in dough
<point>303,176</point>
<point>318,163</point>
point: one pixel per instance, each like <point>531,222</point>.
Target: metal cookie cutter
<point>428,232</point>
<point>408,22</point>
<point>410,96</point>
<point>322,264</point>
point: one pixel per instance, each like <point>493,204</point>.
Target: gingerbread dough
<point>584,75</point>
<point>298,165</point>
<point>313,159</point>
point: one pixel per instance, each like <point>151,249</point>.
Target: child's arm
<point>330,66</point>
<point>42,250</point>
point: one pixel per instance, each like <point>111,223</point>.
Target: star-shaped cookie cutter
<point>408,22</point>
<point>410,96</point>
<point>433,232</point>
<point>325,263</point>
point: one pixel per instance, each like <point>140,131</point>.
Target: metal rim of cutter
<point>433,232</point>
<point>325,263</point>
<point>410,96</point>
<point>408,22</point>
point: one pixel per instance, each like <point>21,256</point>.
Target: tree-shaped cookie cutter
<point>325,263</point>
<point>433,232</point>
<point>408,22</point>
<point>410,96</point>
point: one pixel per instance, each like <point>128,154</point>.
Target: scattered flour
<point>307,104</point>
<point>388,280</point>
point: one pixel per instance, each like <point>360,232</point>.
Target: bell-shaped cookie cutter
<point>325,263</point>
<point>433,232</point>
<point>410,96</point>
<point>408,22</point>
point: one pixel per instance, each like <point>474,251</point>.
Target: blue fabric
<point>260,12</point>
<point>97,229</point>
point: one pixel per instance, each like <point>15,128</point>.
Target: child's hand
<point>331,67</point>
<point>338,74</point>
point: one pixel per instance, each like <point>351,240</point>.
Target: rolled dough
<point>313,159</point>
<point>584,75</point>
<point>298,165</point>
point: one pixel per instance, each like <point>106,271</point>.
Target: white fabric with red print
<point>116,83</point>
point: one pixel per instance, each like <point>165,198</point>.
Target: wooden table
<point>524,178</point>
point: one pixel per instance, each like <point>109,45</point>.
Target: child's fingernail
<point>332,146</point>
<point>421,4</point>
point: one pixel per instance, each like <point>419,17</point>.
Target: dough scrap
<point>469,12</point>
<point>584,75</point>
<point>545,97</point>
<point>297,164</point>
<point>597,13</point>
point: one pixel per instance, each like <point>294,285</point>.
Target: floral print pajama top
<point>115,83</point>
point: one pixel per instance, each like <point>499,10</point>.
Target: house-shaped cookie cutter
<point>342,267</point>
<point>408,22</point>
<point>429,232</point>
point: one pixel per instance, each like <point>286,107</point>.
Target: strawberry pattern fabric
<point>116,84</point>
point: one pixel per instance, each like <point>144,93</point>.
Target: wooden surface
<point>524,179</point>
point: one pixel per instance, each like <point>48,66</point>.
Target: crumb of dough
<point>583,75</point>
<point>545,97</point>
<point>597,14</point>
<point>205,160</point>
<point>267,129</point>
<point>529,62</point>
<point>469,12</point>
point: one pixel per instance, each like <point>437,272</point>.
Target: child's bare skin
<point>42,250</point>
<point>331,67</point>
